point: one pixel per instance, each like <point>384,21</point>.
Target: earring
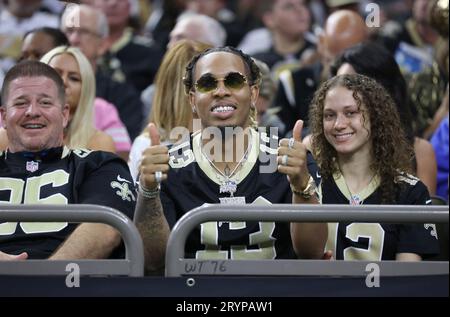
<point>194,110</point>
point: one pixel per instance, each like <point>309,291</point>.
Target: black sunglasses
<point>208,83</point>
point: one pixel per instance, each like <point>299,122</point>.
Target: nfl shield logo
<point>32,166</point>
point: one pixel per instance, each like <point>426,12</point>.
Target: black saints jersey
<point>193,181</point>
<point>378,241</point>
<point>59,176</point>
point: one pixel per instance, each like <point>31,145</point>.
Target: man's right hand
<point>155,158</point>
<point>11,257</point>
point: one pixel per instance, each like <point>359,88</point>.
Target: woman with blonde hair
<point>78,77</point>
<point>170,104</point>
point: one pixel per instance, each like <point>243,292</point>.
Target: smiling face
<point>223,106</point>
<point>346,126</point>
<point>67,67</point>
<point>33,115</point>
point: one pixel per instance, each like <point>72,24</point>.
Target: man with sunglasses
<point>225,162</point>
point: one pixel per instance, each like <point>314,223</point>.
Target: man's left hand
<point>292,159</point>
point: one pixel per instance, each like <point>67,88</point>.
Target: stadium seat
<point>132,265</point>
<point>442,231</point>
<point>177,265</point>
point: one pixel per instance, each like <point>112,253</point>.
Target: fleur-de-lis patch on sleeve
<point>123,189</point>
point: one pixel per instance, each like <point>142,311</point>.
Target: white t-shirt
<point>139,145</point>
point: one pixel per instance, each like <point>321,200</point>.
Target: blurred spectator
<point>190,26</point>
<point>79,82</point>
<point>39,41</point>
<point>52,6</point>
<point>267,117</point>
<point>218,10</point>
<point>200,28</point>
<point>440,144</point>
<point>396,10</point>
<point>247,13</point>
<point>90,37</point>
<point>138,57</point>
<point>255,41</point>
<point>163,19</point>
<point>106,118</point>
<point>428,86</point>
<point>17,18</point>
<point>343,29</point>
<point>413,42</point>
<point>334,5</point>
<point>439,115</point>
<point>288,21</point>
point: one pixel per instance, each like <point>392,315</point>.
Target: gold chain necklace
<point>228,185</point>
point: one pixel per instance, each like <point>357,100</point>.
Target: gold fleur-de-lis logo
<point>123,191</point>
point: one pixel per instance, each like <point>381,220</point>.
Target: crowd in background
<point>128,58</point>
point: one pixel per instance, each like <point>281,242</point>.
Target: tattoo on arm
<point>152,225</point>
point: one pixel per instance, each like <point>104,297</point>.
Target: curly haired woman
<point>364,158</point>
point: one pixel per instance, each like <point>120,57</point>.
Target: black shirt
<point>379,241</point>
<point>59,176</point>
<point>192,182</point>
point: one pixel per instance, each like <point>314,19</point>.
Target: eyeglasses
<point>208,83</point>
<point>80,31</point>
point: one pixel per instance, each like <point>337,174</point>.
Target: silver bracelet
<point>149,193</point>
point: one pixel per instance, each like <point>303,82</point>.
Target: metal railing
<point>132,265</point>
<point>177,265</point>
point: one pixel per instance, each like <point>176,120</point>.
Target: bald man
<point>343,29</point>
<point>197,27</point>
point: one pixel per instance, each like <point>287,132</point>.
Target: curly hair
<point>253,73</point>
<point>375,61</point>
<point>391,151</point>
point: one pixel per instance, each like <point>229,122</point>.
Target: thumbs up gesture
<point>155,159</point>
<point>292,159</point>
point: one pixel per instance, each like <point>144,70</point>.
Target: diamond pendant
<point>228,186</point>
<point>355,200</point>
